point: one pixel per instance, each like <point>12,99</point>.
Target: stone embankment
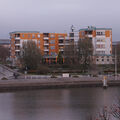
<point>45,83</point>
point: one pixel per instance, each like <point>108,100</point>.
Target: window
<point>17,53</point>
<point>100,33</point>
<point>17,47</point>
<point>52,41</point>
<point>97,59</point>
<point>17,41</point>
<point>52,53</point>
<point>39,42</point>
<point>100,40</point>
<point>33,35</point>
<point>61,41</point>
<point>23,35</point>
<point>52,36</point>
<point>100,46</point>
<point>28,35</point>
<point>71,34</point>
<point>17,35</point>
<point>102,59</point>
<point>82,33</point>
<point>46,53</point>
<point>52,47</point>
<point>46,34</point>
<point>38,35</point>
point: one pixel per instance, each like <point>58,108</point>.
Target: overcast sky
<point>58,15</point>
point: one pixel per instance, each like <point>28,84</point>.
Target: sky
<point>58,15</point>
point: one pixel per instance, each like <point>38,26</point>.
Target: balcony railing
<point>46,38</point>
<point>46,49</point>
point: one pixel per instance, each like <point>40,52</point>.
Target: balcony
<point>71,37</point>
<point>46,38</point>
<point>61,38</point>
<point>89,35</point>
<point>17,50</point>
<point>17,44</point>
<point>61,43</point>
<point>46,49</point>
<point>46,43</point>
<point>17,38</point>
<point>61,49</point>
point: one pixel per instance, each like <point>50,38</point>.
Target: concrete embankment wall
<point>21,84</point>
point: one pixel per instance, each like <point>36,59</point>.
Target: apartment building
<point>50,44</point>
<point>102,43</point>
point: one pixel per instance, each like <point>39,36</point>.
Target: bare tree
<point>60,58</point>
<point>85,52</point>
<point>4,53</point>
<point>70,53</point>
<point>103,114</point>
<point>115,109</point>
<point>31,55</point>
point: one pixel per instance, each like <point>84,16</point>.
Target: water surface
<point>56,104</point>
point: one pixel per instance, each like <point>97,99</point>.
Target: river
<point>56,104</point>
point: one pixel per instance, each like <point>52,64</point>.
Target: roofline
<point>24,32</point>
<point>87,29</point>
<point>35,32</point>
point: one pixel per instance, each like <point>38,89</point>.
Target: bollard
<point>105,82</point>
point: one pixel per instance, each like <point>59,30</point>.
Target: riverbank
<point>53,83</point>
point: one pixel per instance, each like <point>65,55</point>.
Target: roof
<point>24,32</point>
<point>94,28</point>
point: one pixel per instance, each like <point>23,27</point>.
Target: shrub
<point>4,78</point>
<point>75,76</point>
<point>42,70</point>
<point>53,76</point>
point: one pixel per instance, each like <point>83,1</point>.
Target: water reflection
<point>60,104</point>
